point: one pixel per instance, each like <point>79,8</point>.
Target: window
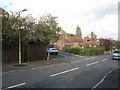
<point>116,51</point>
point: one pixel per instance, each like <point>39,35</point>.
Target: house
<point>3,12</point>
<point>88,41</point>
<point>69,41</point>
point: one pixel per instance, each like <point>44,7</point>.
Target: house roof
<point>72,39</point>
<point>91,43</point>
<point>85,41</point>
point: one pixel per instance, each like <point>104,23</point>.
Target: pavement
<point>7,68</point>
<point>55,59</point>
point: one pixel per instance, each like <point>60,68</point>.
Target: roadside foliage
<point>85,51</point>
<point>35,36</point>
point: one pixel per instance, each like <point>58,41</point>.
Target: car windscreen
<point>116,51</point>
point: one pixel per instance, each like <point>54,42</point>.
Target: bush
<point>75,46</point>
<point>66,49</point>
<point>86,51</point>
<point>74,50</point>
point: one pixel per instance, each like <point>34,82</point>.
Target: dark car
<point>116,54</point>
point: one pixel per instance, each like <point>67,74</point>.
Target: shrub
<point>86,51</point>
<point>74,50</point>
<point>75,46</point>
<point>66,49</point>
<point>86,46</point>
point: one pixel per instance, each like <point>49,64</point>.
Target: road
<point>80,72</point>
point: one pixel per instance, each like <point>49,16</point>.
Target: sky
<point>98,16</point>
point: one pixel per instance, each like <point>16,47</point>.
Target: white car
<point>53,51</point>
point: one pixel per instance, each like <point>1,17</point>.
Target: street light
<point>20,37</point>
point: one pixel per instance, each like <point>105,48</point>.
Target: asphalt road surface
<point>80,72</point>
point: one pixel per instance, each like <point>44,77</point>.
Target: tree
<point>71,35</point>
<point>44,32</point>
<point>115,44</point>
<point>62,33</point>
<point>93,36</point>
<point>78,32</point>
<point>30,27</point>
<point>105,43</point>
<point>12,26</point>
<point>47,29</point>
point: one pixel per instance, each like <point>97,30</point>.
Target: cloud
<point>91,15</point>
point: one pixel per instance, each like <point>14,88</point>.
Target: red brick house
<point>3,12</point>
<point>88,41</point>
<point>69,41</point>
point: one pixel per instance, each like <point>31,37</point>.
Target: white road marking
<point>90,58</point>
<point>82,60</point>
<point>110,72</point>
<point>103,79</point>
<point>99,82</point>
<point>91,63</point>
<point>93,57</point>
<point>113,70</point>
<point>104,59</point>
<point>76,61</point>
<point>79,56</point>
<point>16,86</point>
<point>64,72</point>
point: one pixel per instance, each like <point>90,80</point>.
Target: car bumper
<point>115,57</point>
<point>53,52</point>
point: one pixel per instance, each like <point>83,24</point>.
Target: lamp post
<point>20,37</point>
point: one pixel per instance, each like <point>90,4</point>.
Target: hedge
<point>74,50</point>
<point>86,51</point>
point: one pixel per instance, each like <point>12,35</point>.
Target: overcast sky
<point>98,16</point>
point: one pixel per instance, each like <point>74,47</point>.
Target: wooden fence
<point>10,53</point>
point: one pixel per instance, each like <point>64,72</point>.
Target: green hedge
<point>74,50</point>
<point>66,49</point>
<point>86,51</point>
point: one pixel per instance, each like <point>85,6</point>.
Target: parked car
<point>116,54</point>
<point>53,51</point>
